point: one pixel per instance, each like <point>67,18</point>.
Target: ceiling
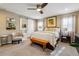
<point>50,10</point>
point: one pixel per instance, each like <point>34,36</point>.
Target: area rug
<point>76,45</point>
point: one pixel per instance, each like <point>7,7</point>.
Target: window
<point>68,23</point>
<point>40,25</point>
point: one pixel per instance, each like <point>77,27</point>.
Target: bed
<point>50,36</point>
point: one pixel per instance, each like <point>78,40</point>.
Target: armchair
<point>17,37</point>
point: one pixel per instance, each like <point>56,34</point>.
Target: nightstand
<point>66,39</point>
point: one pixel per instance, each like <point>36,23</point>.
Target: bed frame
<point>44,43</point>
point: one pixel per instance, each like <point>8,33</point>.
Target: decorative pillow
<point>53,29</point>
<point>18,34</point>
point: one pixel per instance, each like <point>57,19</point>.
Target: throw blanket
<point>51,37</point>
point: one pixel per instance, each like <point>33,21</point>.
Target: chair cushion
<point>15,38</point>
<point>18,34</point>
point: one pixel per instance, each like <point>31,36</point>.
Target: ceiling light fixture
<point>38,9</point>
<point>66,9</point>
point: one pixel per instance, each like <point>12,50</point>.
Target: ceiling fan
<point>39,7</point>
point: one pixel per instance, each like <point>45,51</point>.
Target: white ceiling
<point>50,10</point>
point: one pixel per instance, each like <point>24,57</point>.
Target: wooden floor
<point>25,49</point>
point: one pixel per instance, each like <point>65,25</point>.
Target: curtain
<point>68,22</point>
<point>30,27</point>
<point>68,26</point>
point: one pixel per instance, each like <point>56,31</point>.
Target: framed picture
<point>10,24</point>
<point>24,26</point>
<point>51,22</point>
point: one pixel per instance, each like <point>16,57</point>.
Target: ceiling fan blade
<point>41,12</point>
<point>43,5</point>
<point>31,8</point>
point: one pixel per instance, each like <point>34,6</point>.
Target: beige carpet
<point>25,49</point>
<point>64,49</point>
